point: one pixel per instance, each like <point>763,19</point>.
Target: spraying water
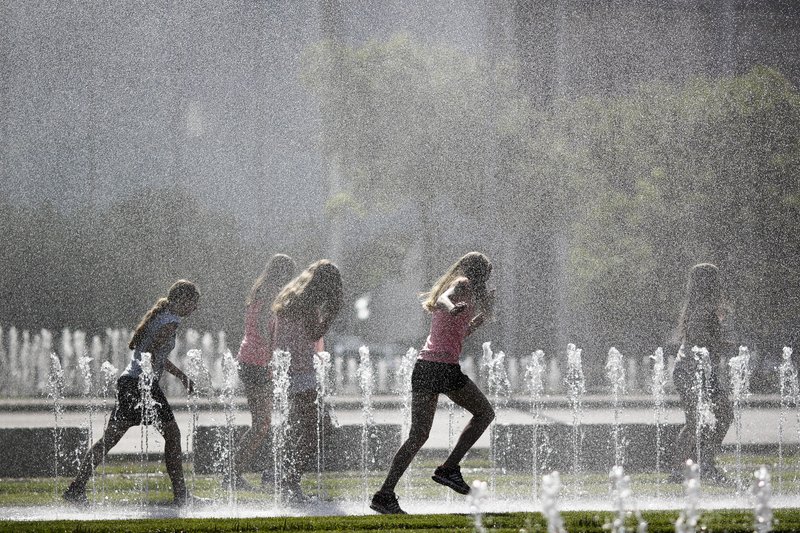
<point>762,491</point>
<point>55,392</point>
<point>790,397</point>
<point>534,373</point>
<point>476,500</point>
<point>499,388</point>
<point>706,419</point>
<point>577,389</point>
<point>615,372</point>
<point>658,386</point>
<point>403,388</point>
<point>624,504</point>
<point>322,366</point>
<point>690,516</point>
<point>740,389</point>
<point>551,488</point>
<point>109,373</point>
<point>84,365</point>
<point>148,406</point>
<point>280,402</point>
<point>197,371</point>
<point>365,380</point>
<point>230,368</point>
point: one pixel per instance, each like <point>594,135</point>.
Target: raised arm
<point>452,300</point>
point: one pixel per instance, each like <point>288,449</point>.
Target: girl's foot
<point>294,495</point>
<point>451,477</point>
<point>386,503</point>
<point>75,495</point>
<point>715,474</point>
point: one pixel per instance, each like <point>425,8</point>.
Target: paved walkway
<point>759,425</point>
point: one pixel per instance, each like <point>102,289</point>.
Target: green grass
<point>575,522</point>
<point>125,481</point>
<point>124,484</point>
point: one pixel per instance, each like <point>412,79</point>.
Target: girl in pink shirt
<point>459,302</point>
<point>254,357</point>
<point>304,310</point>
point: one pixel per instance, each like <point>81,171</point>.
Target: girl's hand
<point>477,321</point>
<point>458,308</point>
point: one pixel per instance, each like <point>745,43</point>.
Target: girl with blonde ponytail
<point>155,335</point>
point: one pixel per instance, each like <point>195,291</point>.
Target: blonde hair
<point>474,266</point>
<point>278,271</point>
<point>318,285</point>
<point>181,291</point>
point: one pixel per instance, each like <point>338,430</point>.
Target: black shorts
<point>129,398</point>
<point>432,376</point>
<point>257,381</point>
<point>685,380</point>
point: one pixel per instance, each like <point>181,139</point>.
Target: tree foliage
<point>640,185</point>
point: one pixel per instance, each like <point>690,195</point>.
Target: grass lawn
<point>577,521</point>
<point>147,486</point>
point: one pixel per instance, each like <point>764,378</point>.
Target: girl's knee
<point>171,430</point>
<point>417,439</point>
<point>486,416</point>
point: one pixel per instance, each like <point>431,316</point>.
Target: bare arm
<point>475,323</point>
<point>459,290</point>
<point>162,337</point>
<point>170,367</point>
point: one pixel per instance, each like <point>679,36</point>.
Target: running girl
<point>459,302</point>
<point>155,335</point>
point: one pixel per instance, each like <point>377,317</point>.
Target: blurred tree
<point>414,126</point>
<point>704,172</point>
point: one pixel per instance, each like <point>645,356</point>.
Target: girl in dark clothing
<point>701,325</point>
<point>154,335</point>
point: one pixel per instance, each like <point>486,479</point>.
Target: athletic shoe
<point>75,496</point>
<point>715,474</point>
<point>294,495</point>
<point>385,503</point>
<point>451,477</point>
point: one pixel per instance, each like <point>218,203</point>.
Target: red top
<point>255,349</point>
<point>447,334</point>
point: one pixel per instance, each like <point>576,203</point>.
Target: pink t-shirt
<point>291,336</point>
<point>255,349</point>
<point>446,338</point>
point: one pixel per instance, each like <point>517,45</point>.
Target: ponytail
<point>138,333</point>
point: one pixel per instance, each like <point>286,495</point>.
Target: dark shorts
<point>129,398</point>
<point>685,379</point>
<point>431,376</point>
<point>257,381</point>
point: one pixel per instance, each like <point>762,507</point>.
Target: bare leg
<point>723,412</point>
<point>261,412</point>
<point>473,400</point>
<point>303,421</point>
<point>173,457</point>
<point>423,407</point>
<point>112,435</point>
<point>685,444</point>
